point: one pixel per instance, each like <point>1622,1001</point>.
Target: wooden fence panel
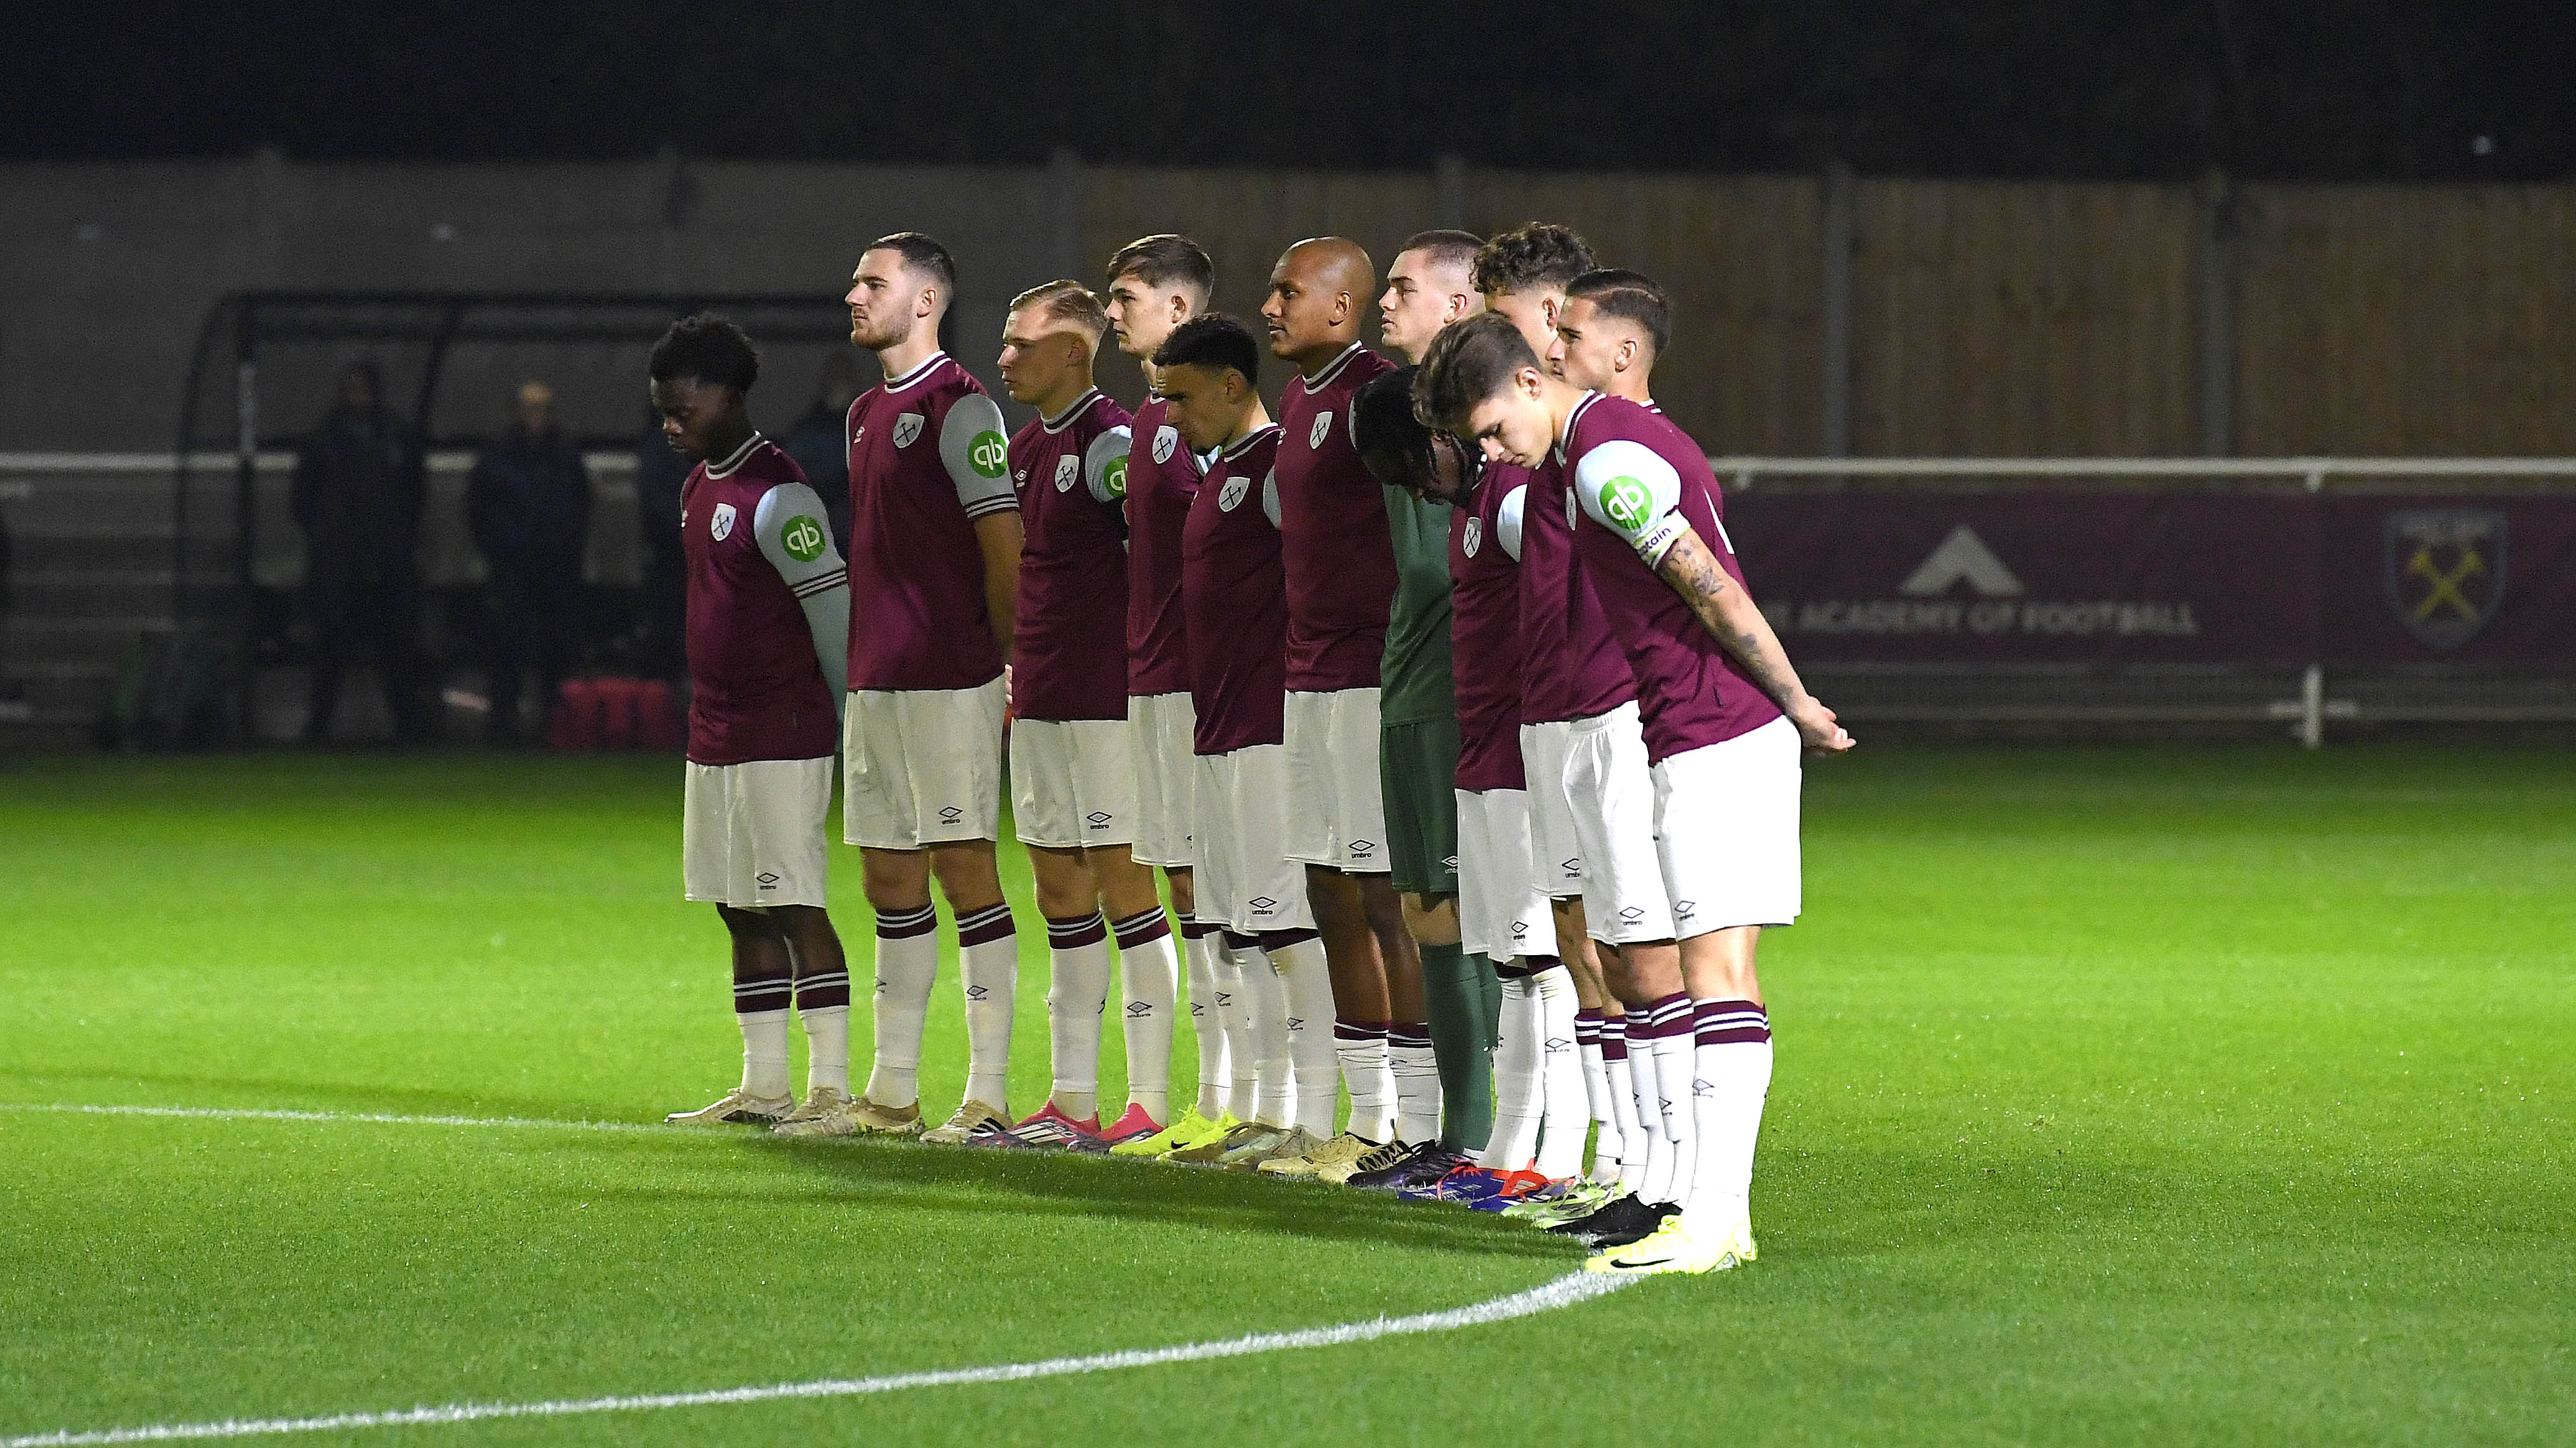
<point>2408,320</point>
<point>2024,319</point>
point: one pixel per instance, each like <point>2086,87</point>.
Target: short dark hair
<point>1630,296</point>
<point>1532,257</point>
<point>1469,361</point>
<point>1447,247</point>
<point>1166,259</point>
<point>922,252</point>
<point>706,348</point>
<point>1392,442</point>
<point>1215,341</point>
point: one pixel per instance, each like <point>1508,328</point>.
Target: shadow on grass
<point>910,1176</point>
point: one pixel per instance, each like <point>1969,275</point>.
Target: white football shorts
<point>1726,818</point>
<point>922,766</point>
<point>1612,797</point>
<point>752,834</point>
<point>1073,782</point>
<point>1500,910</point>
<point>1245,881</point>
<point>1336,808</point>
<point>1556,851</point>
<point>1160,730</point>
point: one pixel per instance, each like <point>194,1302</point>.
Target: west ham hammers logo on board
<point>2444,571</point>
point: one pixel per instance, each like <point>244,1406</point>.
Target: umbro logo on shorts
<point>1571,867</point>
<point>978,992</point>
<point>1296,1023</point>
<point>1703,1088</point>
<point>1449,863</point>
<point>1264,904</point>
<point>1137,1009</point>
<point>1632,914</point>
<point>766,880</point>
<point>1520,929</point>
<point>1559,1045</point>
<point>950,814</point>
<point>1682,909</point>
<point>1098,819</point>
<point>1363,847</point>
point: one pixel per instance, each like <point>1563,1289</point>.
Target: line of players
<point>1439,701</point>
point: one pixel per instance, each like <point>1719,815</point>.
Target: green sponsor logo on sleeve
<point>803,538</point>
<point>989,453</point>
<point>1117,477</point>
<point>1626,501</point>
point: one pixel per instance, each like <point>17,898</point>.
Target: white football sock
<point>1264,997</point>
<point>1596,1097</point>
<point>1077,992</point>
<point>1653,1166</point>
<point>1566,1116</point>
<point>1617,1074</point>
<point>988,964</point>
<point>1675,1044</point>
<point>1417,1082</point>
<point>1516,1075</point>
<point>1368,1071</point>
<point>827,1048</point>
<point>764,1053</point>
<point>1309,984</point>
<point>907,962</point>
<point>1208,1023</point>
<point>1150,971</point>
<point>1735,1065</point>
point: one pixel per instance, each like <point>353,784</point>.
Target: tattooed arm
<point>1731,617</point>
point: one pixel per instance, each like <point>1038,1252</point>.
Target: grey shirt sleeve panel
<point>975,450</point>
<point>793,535</point>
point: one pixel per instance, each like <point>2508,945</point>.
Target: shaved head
<point>1318,294</point>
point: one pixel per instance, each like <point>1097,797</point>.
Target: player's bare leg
<point>1149,969</point>
<point>822,1003</point>
<point>1731,1077</point>
<point>1601,1033</point>
<point>763,984</point>
<point>898,887</point>
<point>1450,997</point>
<point>1358,977</point>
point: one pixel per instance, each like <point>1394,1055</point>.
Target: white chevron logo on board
<point>1962,555</point>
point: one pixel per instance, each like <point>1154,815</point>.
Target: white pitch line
<point>1563,1292</point>
<point>221,1113</point>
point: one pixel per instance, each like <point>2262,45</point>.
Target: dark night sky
<point>2153,89</point>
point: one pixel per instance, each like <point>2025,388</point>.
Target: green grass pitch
<point>2146,1097</point>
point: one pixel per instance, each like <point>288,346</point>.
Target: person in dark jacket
<point>528,506</point>
<point>359,486</point>
<point>820,440</point>
<point>659,475</point>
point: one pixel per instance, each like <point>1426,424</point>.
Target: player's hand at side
<point>1816,726</point>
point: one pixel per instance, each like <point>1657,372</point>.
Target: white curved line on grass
<point>1563,1292</point>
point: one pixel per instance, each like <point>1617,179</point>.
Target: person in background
<point>819,445</point>
<point>359,487</point>
<point>528,506</point>
<point>662,610</point>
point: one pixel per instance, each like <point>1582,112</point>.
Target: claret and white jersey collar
<point>1247,440</point>
<point>898,384</point>
<point>736,458</point>
<point>1064,419</point>
<point>1334,368</point>
<point>1572,419</point>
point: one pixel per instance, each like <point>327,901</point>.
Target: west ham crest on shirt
<point>1067,468</point>
<point>906,428</point>
<point>1323,425</point>
<point>1475,536</point>
<point>720,526</point>
<point>1166,440</point>
<point>2444,571</point>
<point>1232,493</point>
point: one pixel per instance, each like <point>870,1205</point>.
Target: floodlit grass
<point>2123,1097</point>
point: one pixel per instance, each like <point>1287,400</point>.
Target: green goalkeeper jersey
<point>1414,682</point>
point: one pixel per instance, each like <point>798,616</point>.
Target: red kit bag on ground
<point>657,720</point>
<point>576,721</point>
<point>616,712</point>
